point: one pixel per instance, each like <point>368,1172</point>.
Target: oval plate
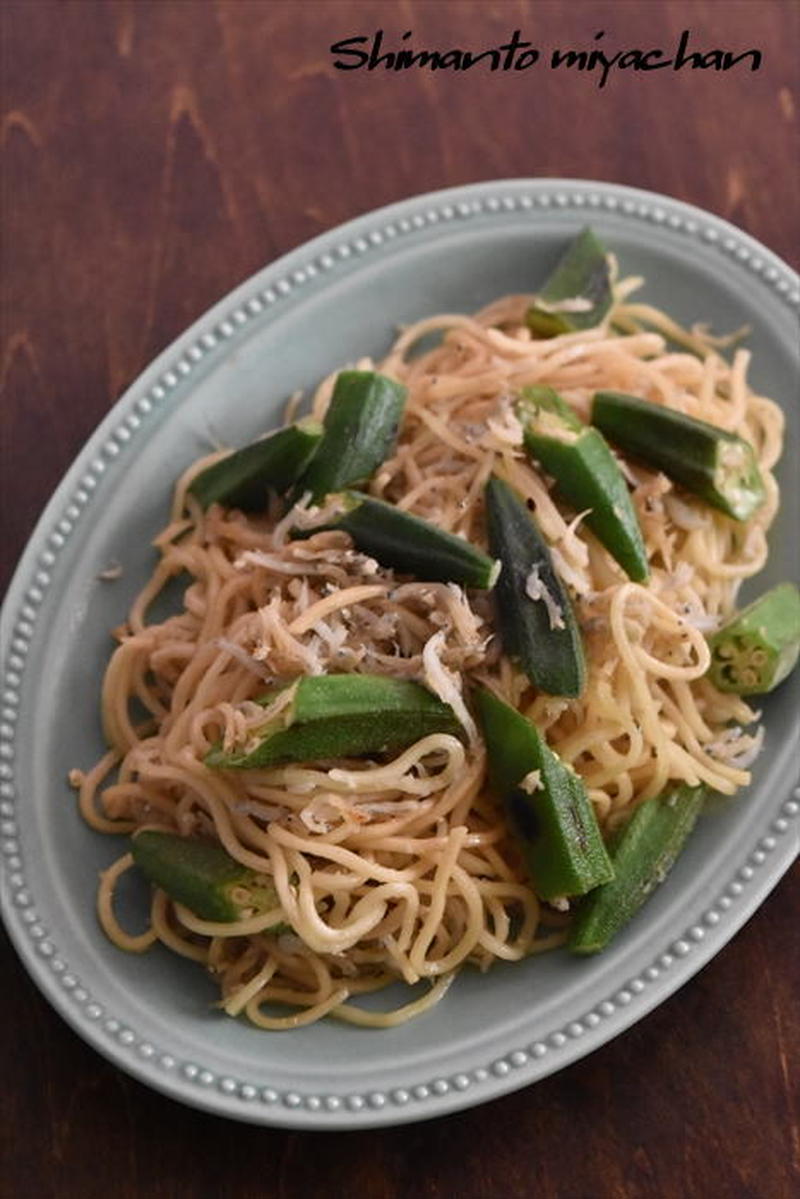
<point>330,302</point>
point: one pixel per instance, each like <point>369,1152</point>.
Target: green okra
<point>203,877</point>
<point>360,428</point>
<point>586,473</point>
<point>642,854</point>
<point>758,647</point>
<point>577,295</point>
<point>719,467</point>
<point>409,544</point>
<point>541,633</point>
<point>244,479</point>
<point>546,804</point>
<point>341,716</point>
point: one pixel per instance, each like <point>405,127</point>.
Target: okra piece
<point>409,544</point>
<point>642,854</point>
<point>341,716</point>
<point>577,295</point>
<point>586,473</point>
<point>360,428</point>
<point>274,463</point>
<point>538,626</point>
<point>546,803</point>
<point>202,876</point>
<point>759,646</point>
<point>717,466</point>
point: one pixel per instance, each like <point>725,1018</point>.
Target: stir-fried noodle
<point>405,870</point>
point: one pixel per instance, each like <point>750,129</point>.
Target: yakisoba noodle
<point>405,870</point>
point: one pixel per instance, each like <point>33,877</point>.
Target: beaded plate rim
<point>214,334</point>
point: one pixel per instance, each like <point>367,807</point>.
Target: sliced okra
<point>359,431</point>
<point>642,853</point>
<point>538,626</point>
<point>586,473</point>
<point>719,467</point>
<point>203,876</point>
<point>546,803</point>
<point>758,647</point>
<point>409,544</point>
<point>341,716</point>
<point>577,295</point>
<point>244,478</point>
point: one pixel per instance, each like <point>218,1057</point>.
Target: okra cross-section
<point>759,646</point>
<point>642,853</point>
<point>717,466</point>
<point>409,544</point>
<point>577,295</point>
<point>586,474</point>
<point>203,876</point>
<point>340,716</point>
<point>538,626</point>
<point>360,428</point>
<point>546,803</point>
<point>244,479</point>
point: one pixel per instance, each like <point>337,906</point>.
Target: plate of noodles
<point>273,842</point>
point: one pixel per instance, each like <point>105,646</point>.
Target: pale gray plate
<point>321,306</point>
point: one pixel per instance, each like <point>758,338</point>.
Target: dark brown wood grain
<point>155,153</point>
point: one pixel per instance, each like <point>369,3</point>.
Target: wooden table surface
<point>154,155</point>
